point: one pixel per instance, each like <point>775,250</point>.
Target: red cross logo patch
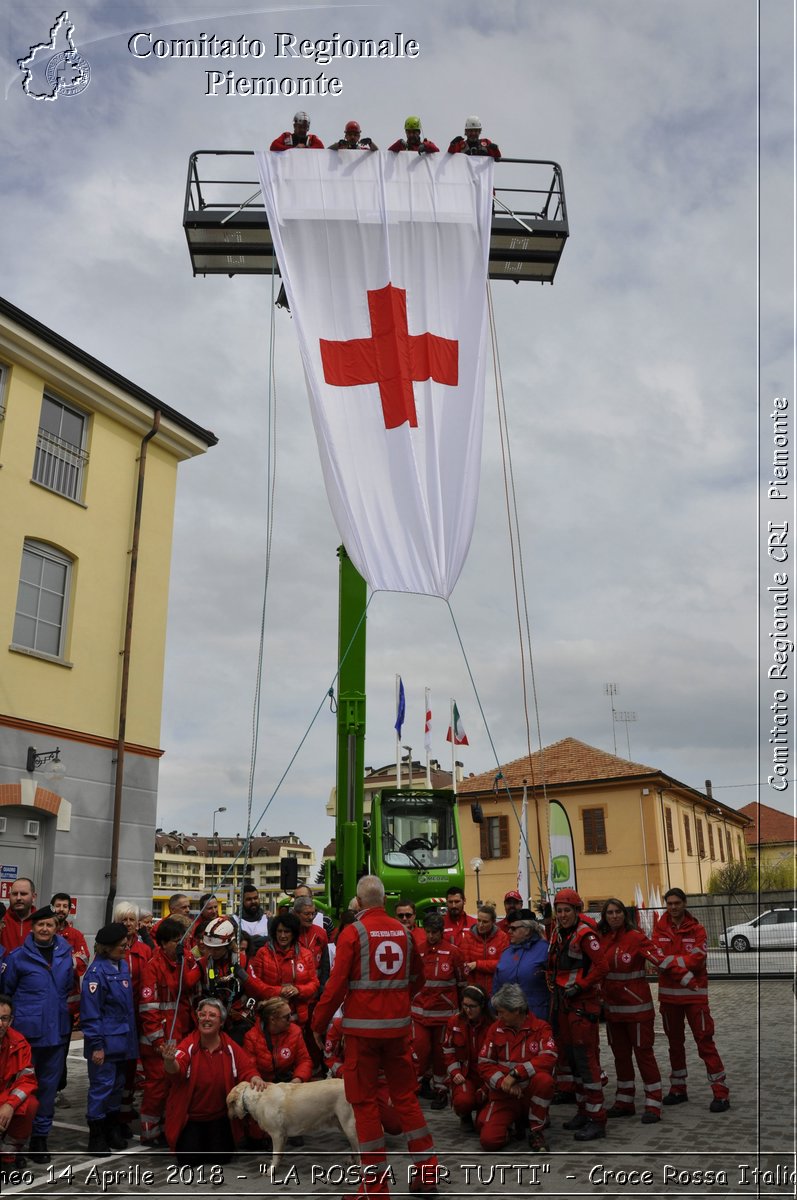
<point>389,957</point>
<point>391,357</point>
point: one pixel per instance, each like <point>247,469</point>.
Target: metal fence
<point>744,941</point>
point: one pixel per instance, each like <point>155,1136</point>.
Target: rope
<point>519,586</point>
<point>499,775</point>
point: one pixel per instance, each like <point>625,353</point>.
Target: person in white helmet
<point>301,138</point>
<point>473,142</point>
<point>226,976</point>
<point>353,140</point>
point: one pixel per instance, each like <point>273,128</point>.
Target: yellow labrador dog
<point>286,1110</point>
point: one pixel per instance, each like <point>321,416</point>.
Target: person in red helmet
<point>576,966</point>
<point>473,143</point>
<point>353,140</point>
<point>683,994</point>
<point>300,139</point>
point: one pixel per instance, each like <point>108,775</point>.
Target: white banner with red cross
<point>384,260</point>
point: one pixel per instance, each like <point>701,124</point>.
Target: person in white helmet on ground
<point>301,138</point>
<point>473,142</point>
<point>353,140</point>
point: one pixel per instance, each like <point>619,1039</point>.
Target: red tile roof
<point>769,825</point>
<point>567,761</point>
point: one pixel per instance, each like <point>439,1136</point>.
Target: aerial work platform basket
<point>227,230</point>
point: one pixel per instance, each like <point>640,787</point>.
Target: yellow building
<point>78,445</point>
<point>194,864</point>
<point>771,841</point>
<point>632,826</point>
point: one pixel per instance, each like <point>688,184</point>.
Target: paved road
<point>755,1035</point>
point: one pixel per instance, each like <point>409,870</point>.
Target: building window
<point>60,454</point>
<point>711,842</point>
<point>701,841</point>
<point>670,834</point>
<point>728,844</point>
<point>688,834</point>
<point>494,833</point>
<point>594,830</point>
<point>741,847</point>
<point>40,621</point>
<point>719,843</point>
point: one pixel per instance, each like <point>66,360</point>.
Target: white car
<point>773,930</point>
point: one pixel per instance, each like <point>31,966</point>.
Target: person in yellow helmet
<point>412,139</point>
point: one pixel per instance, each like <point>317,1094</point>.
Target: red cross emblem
<point>389,957</point>
<point>391,357</point>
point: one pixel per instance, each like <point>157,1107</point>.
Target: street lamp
<point>213,844</point>
<point>409,762</point>
<point>476,865</point>
<point>35,760</point>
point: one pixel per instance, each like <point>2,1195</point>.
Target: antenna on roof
<point>610,689</point>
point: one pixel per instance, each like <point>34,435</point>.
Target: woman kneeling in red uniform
<point>462,1041</point>
<point>206,1065</point>
<point>18,1103</point>
<point>516,1062</point>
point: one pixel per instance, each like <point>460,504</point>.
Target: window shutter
<point>484,840</point>
<point>670,834</point>
<point>701,842</point>
<point>711,841</point>
<point>594,831</point>
<point>688,834</point>
<point>503,829</point>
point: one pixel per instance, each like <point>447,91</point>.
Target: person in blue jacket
<point>524,962</point>
<point>40,976</point>
<point>108,1021</point>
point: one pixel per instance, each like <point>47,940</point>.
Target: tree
<point>732,878</point>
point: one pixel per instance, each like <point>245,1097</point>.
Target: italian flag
<point>456,731</point>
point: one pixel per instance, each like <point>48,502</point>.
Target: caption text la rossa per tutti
<point>321,52</point>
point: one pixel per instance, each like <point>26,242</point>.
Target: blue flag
<point>401,708</point>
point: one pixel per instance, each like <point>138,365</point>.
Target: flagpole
<point>427,737</point>
<point>398,737</point>
<point>453,747</point>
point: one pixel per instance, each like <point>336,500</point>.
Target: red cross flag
<point>384,260</point>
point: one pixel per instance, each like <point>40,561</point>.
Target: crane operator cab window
<point>418,832</point>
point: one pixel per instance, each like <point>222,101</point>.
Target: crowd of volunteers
<point>492,1020</point>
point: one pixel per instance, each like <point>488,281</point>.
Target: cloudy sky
<point>631,384</point>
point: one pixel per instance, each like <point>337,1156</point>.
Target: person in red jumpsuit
<point>434,1004</point>
<point>18,1103</point>
<point>375,971</point>
<point>462,1040</point>
<point>456,922</point>
<point>473,143</point>
<point>300,139</point>
<point>628,1008</point>
<point>205,1067</point>
<point>482,946</point>
<point>576,966</point>
<point>165,1014</point>
<point>412,139</point>
<point>683,995</point>
<point>334,1052</point>
<point>276,1045</point>
<point>516,1063</point>
<point>405,912</point>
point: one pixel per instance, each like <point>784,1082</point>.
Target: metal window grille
<point>58,465</point>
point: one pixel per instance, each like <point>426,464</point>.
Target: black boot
<point>114,1133</point>
<point>37,1149</point>
<point>98,1142</point>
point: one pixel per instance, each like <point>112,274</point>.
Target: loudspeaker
<point>289,874</point>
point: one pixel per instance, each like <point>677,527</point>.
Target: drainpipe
<point>120,741</point>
